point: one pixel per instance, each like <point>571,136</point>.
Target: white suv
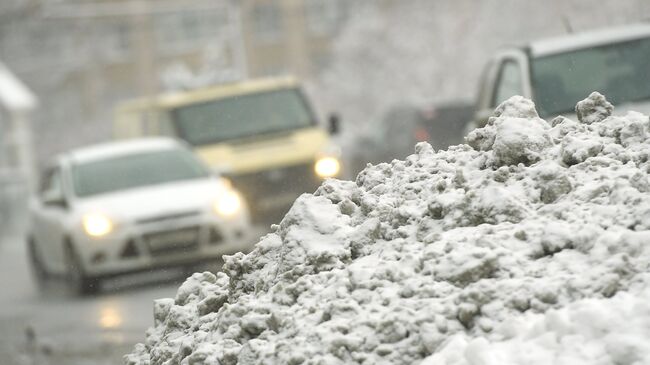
<point>556,73</point>
<point>131,206</point>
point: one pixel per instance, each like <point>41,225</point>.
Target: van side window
<point>509,82</point>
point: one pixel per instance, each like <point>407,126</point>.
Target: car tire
<point>37,268</point>
<point>79,282</point>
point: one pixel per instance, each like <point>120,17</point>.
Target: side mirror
<point>334,124</point>
<point>54,199</point>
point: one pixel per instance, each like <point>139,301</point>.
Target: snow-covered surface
<point>528,245</point>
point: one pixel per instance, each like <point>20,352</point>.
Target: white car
<point>558,72</point>
<point>132,206</point>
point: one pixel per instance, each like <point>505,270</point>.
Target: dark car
<point>395,135</point>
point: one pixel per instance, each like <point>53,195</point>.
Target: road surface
<point>53,327</point>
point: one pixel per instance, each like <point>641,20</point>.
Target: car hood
<point>643,108</point>
<point>154,201</point>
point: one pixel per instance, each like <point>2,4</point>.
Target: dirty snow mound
<point>529,245</point>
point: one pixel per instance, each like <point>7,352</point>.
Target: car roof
<point>555,45</point>
<point>120,148</point>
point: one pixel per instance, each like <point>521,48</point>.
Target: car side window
<point>51,183</point>
<point>509,82</point>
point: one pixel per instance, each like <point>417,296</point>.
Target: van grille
<point>294,180</point>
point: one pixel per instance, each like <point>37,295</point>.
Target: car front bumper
<point>151,244</point>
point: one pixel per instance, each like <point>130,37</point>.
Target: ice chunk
<point>594,108</point>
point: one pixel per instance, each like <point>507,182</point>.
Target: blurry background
<point>65,64</point>
<point>359,57</point>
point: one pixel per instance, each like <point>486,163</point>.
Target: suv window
<point>509,82</point>
<point>618,70</point>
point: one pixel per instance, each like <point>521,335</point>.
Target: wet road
<point>53,327</point>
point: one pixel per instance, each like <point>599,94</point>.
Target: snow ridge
<point>527,245</point>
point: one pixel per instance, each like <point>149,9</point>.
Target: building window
<point>187,30</point>
<point>271,68</point>
<point>267,22</point>
<point>320,61</point>
<point>45,42</point>
<point>323,16</point>
<point>190,26</point>
<point>119,39</point>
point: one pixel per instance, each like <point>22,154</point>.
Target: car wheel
<point>39,273</point>
<point>80,283</point>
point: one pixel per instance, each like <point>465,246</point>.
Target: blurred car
<point>260,133</point>
<point>131,206</point>
<point>395,135</point>
<point>556,73</point>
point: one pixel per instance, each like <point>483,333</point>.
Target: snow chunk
<point>516,107</point>
<point>594,108</point>
<point>515,134</point>
<point>520,140</point>
<point>576,149</point>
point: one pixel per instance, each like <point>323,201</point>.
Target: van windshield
<point>619,71</point>
<point>242,116</point>
<point>135,170</point>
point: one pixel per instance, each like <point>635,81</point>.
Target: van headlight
<point>97,225</point>
<point>327,167</point>
<point>228,204</point>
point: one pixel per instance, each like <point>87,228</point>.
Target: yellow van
<point>262,134</point>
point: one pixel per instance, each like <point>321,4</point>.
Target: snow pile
<point>529,245</point>
<point>590,331</point>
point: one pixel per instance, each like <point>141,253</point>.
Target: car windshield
<point>619,71</point>
<point>135,170</point>
<point>242,116</point>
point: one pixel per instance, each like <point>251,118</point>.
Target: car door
<point>49,219</point>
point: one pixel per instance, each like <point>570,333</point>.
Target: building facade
<point>81,58</point>
<point>291,36</point>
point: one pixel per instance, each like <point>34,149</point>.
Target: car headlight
<point>97,225</point>
<point>327,167</point>
<point>228,203</point>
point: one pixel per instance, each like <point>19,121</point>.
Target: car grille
<point>168,242</point>
<point>168,217</point>
<point>295,179</point>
